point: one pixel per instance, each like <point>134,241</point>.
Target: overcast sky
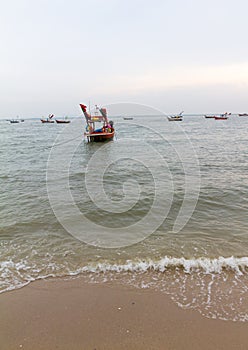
<point>189,55</point>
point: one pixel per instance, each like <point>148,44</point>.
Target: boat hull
<point>46,121</point>
<point>172,119</point>
<point>100,137</point>
<point>220,118</point>
<point>62,121</point>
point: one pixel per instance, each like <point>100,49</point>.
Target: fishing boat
<point>243,114</point>
<point>209,116</point>
<point>223,116</point>
<point>176,118</point>
<point>15,121</point>
<point>105,133</point>
<point>48,120</point>
<point>62,121</point>
<point>128,118</point>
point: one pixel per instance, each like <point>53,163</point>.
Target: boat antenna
<point>89,108</point>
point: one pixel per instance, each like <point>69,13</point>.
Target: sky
<point>172,55</point>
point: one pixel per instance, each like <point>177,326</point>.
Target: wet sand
<point>58,314</point>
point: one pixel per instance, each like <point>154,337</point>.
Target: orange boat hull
<point>100,137</point>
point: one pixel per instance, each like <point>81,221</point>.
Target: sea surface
<point>162,206</point>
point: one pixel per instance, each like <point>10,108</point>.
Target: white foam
<point>205,265</point>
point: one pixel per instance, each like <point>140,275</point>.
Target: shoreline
<point>72,314</point>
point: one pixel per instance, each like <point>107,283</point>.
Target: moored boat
<point>48,120</point>
<point>209,116</point>
<point>176,118</point>
<point>62,121</point>
<point>223,116</point>
<point>220,118</point>
<point>105,133</point>
<point>15,121</point>
<point>243,114</point>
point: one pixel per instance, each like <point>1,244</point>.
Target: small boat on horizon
<point>105,133</point>
<point>223,116</point>
<point>209,116</point>
<point>128,118</point>
<point>220,118</point>
<point>48,120</point>
<point>62,121</point>
<point>176,118</point>
<point>15,121</point>
<point>243,114</point>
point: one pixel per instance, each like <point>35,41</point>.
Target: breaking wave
<point>205,265</point>
<point>217,288</point>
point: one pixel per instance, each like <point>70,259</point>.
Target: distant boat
<point>243,115</point>
<point>128,118</point>
<point>48,120</point>
<point>15,121</point>
<point>223,116</point>
<point>105,133</point>
<point>176,118</point>
<point>209,116</point>
<point>62,121</point>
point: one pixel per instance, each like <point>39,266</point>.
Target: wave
<point>205,265</point>
<point>15,275</point>
<point>217,287</point>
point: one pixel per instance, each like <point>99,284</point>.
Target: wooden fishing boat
<point>176,118</point>
<point>62,121</point>
<point>223,116</point>
<point>105,133</point>
<point>15,121</point>
<point>209,116</point>
<point>48,120</point>
<point>99,136</point>
<point>220,118</point>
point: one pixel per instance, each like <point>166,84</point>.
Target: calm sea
<point>163,206</point>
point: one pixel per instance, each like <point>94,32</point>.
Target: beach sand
<point>73,315</point>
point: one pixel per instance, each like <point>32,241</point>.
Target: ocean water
<point>163,206</point>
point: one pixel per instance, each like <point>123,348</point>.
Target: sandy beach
<point>58,314</point>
